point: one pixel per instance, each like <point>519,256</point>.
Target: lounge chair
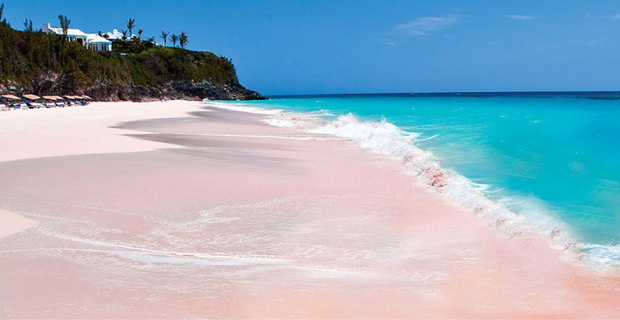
<point>32,105</point>
<point>10,102</point>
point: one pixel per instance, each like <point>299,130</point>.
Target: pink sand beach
<point>180,210</point>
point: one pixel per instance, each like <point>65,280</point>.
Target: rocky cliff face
<point>185,89</point>
<point>54,83</point>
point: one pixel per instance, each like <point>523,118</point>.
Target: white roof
<point>115,35</point>
<point>70,32</point>
<point>76,32</point>
<point>95,38</point>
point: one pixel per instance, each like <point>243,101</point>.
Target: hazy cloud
<point>521,17</point>
<point>615,17</point>
<point>424,26</point>
<point>386,41</point>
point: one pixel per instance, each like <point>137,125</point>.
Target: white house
<point>91,40</point>
<point>73,35</point>
<point>96,42</point>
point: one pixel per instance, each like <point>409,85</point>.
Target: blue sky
<point>304,47</point>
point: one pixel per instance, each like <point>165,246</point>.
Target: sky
<point>385,46</point>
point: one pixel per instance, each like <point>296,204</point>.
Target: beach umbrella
<point>32,97</point>
<point>86,97</point>
<point>11,97</point>
<point>53,98</point>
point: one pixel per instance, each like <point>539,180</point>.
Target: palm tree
<point>140,33</point>
<point>164,35</point>
<point>130,24</point>
<point>183,39</point>
<point>64,24</point>
<point>28,26</point>
<point>174,39</point>
<point>2,10</point>
<point>124,32</point>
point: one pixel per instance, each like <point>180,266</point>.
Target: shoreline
<point>264,221</point>
<point>390,140</point>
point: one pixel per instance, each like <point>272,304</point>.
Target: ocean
<point>551,159</point>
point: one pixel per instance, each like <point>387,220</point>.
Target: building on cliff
<point>117,35</point>
<point>91,40</point>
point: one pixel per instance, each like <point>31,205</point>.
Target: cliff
<point>39,63</point>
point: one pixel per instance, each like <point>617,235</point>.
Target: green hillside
<point>46,64</point>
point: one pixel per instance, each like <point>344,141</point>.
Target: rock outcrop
<point>185,89</point>
<point>53,83</point>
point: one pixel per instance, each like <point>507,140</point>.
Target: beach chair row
<point>31,101</point>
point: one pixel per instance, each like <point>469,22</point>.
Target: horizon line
<point>451,93</point>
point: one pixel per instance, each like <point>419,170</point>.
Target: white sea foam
<point>602,256</point>
<point>240,107</point>
<point>386,138</point>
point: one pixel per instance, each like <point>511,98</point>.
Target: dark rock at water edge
<point>186,90</point>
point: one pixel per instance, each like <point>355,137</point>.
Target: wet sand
<point>172,210</point>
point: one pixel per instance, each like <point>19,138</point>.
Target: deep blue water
<point>557,153</point>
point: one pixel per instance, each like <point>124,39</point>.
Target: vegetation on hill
<point>47,64</point>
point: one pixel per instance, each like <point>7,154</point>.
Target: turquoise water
<point>558,154</point>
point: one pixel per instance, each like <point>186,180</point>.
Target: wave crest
<point>388,139</point>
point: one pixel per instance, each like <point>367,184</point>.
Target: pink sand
<point>218,215</point>
<point>11,223</point>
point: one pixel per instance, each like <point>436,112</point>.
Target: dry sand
<point>11,223</point>
<point>216,214</point>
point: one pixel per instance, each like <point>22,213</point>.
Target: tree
<point>183,39</point>
<point>28,26</point>
<point>130,24</point>
<point>64,24</point>
<point>164,35</point>
<point>140,33</point>
<point>174,39</point>
<point>1,11</point>
<point>124,32</point>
